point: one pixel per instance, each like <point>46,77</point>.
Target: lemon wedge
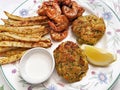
<point>98,57</point>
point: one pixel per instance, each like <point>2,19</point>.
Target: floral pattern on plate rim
<point>98,77</point>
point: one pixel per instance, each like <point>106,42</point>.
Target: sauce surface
<point>38,65</point>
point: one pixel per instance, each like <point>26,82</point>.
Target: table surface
<point>116,7</point>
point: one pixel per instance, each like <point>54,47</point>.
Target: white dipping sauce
<point>38,66</point>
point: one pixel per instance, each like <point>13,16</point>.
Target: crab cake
<point>89,29</point>
<point>70,61</point>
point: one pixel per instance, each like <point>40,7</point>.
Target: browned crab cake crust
<point>70,61</point>
<point>89,29</point>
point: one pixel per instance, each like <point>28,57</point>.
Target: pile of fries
<point>19,34</point>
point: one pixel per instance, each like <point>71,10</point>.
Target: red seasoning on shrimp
<point>60,14</point>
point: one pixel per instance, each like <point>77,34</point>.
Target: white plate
<point>97,78</point>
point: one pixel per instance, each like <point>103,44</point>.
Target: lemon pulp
<point>98,56</point>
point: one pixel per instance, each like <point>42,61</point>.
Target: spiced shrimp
<point>50,9</point>
<point>58,21</point>
<point>58,36</point>
<point>72,10</point>
<point>63,2</point>
<point>41,10</point>
<point>53,10</point>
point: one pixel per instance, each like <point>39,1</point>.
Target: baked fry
<point>19,34</point>
<point>24,30</point>
<point>5,38</point>
<point>10,59</point>
<point>46,31</point>
<point>9,22</point>
<point>15,44</point>
<point>4,49</point>
<point>15,17</point>
<point>12,52</point>
<point>10,36</point>
<point>45,44</point>
<point>22,37</point>
<point>30,35</point>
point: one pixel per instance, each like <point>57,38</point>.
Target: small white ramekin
<point>25,59</point>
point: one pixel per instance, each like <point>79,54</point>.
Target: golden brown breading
<point>70,61</point>
<point>10,59</point>
<point>88,29</point>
